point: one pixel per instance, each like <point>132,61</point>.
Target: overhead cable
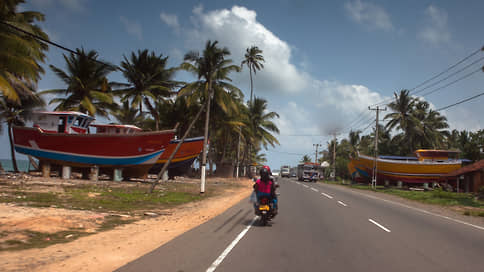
<point>50,42</point>
<point>460,102</point>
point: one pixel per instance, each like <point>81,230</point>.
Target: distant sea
<point>23,165</point>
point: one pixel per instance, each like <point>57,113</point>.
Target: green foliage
<point>88,89</point>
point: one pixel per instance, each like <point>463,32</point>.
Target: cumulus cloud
<point>237,29</point>
<point>306,105</point>
<point>369,14</point>
<point>170,19</point>
<point>73,5</point>
<point>435,31</point>
<point>132,27</point>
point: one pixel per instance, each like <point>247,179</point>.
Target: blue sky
<point>326,61</point>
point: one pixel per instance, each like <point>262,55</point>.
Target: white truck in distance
<point>285,171</point>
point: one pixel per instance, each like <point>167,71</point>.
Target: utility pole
<point>375,164</point>
<point>334,158</point>
<point>238,160</point>
<point>317,145</point>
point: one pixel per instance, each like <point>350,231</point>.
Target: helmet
<point>264,173</point>
<point>268,169</point>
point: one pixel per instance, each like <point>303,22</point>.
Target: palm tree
<point>149,80</point>
<point>253,60</point>
<point>212,71</point>
<point>354,141</point>
<point>15,113</point>
<point>20,53</point>
<point>260,123</point>
<point>402,118</point>
<point>127,115</point>
<point>88,89</point>
<point>305,159</point>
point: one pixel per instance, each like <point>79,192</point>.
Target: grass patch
<point>107,199</point>
<point>40,240</point>
<point>436,197</point>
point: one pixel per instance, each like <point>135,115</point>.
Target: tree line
<point>151,97</point>
<point>410,125</point>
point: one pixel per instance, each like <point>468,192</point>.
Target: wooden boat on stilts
<point>428,166</point>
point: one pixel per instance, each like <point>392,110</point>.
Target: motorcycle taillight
<point>264,201</point>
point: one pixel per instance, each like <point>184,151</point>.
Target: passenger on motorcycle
<point>265,186</point>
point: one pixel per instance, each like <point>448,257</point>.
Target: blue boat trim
<point>76,158</point>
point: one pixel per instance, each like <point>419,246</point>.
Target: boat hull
<point>406,171</point>
<point>188,152</point>
<point>85,150</point>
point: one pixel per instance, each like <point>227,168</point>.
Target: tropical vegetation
<point>149,97</point>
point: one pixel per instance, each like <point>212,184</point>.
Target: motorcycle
<point>265,209</point>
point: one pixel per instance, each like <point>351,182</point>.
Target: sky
<point>325,61</point>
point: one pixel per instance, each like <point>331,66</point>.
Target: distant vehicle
<point>308,171</point>
<point>293,175</point>
<point>285,171</point>
<point>275,173</point>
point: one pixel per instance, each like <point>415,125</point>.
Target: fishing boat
<point>183,159</point>
<point>65,138</point>
<point>427,166</point>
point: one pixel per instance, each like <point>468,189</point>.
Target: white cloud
<point>436,30</point>
<point>238,29</point>
<point>132,27</point>
<point>73,5</point>
<point>170,19</point>
<point>316,106</point>
<point>369,14</point>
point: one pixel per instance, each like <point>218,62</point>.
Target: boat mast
<point>375,165</point>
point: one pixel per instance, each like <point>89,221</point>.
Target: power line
<point>288,153</point>
<point>437,75</point>
<point>51,43</point>
<point>460,102</point>
<point>453,82</point>
<point>451,75</point>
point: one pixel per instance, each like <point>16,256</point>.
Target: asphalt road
<point>323,227</point>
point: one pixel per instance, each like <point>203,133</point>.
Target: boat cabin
<point>116,129</point>
<point>69,122</point>
<point>436,155</point>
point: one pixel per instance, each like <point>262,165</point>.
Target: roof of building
<point>466,169</point>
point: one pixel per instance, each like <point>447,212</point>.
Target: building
<point>470,178</point>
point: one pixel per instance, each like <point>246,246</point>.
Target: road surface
<point>323,227</point>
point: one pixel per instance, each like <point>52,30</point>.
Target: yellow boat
<point>428,166</point>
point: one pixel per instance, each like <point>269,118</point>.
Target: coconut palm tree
<point>402,118</point>
<point>150,82</point>
<point>253,59</point>
<point>16,113</point>
<point>305,159</point>
<point>260,123</point>
<point>212,71</point>
<point>88,89</point>
<point>127,115</point>
<point>20,53</point>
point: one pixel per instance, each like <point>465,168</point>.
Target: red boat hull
<point>82,150</point>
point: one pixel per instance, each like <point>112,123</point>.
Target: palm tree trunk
<point>205,140</point>
<point>12,150</point>
<point>251,84</point>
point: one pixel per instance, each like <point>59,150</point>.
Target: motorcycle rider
<point>265,186</point>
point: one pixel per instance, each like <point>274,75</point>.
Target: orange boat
<point>188,152</point>
<point>427,166</point>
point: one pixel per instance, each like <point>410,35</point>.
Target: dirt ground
<point>107,250</point>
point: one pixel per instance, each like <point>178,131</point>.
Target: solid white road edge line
<point>423,211</point>
<point>342,203</point>
<point>382,227</point>
<point>328,196</point>
<point>316,190</point>
<point>226,252</point>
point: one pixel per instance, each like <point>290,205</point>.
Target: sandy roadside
<point>109,250</point>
